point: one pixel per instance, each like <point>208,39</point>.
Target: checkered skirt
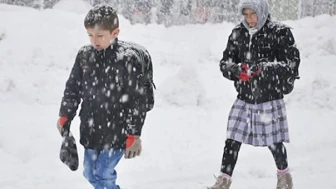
<point>258,124</point>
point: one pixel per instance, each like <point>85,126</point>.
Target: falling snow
<point>183,137</point>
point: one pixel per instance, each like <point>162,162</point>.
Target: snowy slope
<point>184,136</point>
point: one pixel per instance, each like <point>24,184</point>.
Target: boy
<point>262,60</point>
<point>112,80</point>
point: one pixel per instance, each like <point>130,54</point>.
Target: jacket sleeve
<point>72,93</point>
<point>288,57</point>
<point>230,58</point>
<point>135,95</point>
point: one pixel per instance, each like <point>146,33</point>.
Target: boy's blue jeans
<point>99,167</point>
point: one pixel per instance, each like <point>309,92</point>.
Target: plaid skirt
<point>258,124</point>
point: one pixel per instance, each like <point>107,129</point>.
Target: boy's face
<point>101,39</point>
<point>251,17</point>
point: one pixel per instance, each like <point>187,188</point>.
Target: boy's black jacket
<point>111,88</point>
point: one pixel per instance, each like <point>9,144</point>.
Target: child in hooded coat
<point>262,60</point>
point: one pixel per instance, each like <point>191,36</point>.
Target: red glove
<point>60,123</point>
<point>133,146</point>
<point>130,140</point>
<point>62,120</point>
<point>244,76</point>
<point>248,72</point>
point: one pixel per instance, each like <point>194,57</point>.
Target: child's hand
<point>60,124</point>
<point>249,71</point>
<point>234,68</point>
<point>133,146</point>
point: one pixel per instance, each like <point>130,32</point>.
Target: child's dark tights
<point>232,148</point>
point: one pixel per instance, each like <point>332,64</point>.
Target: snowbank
<point>185,83</point>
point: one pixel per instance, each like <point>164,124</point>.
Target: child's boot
<point>285,181</point>
<point>222,182</point>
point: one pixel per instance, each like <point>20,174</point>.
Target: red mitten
<point>244,76</point>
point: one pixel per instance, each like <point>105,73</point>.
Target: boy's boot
<point>285,181</point>
<point>222,182</point>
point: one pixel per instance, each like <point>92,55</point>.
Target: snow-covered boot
<point>222,182</point>
<point>285,181</point>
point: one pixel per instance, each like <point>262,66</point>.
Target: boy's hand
<point>61,122</point>
<point>133,146</point>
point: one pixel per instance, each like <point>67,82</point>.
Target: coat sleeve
<point>288,58</point>
<point>230,58</point>
<point>136,97</point>
<point>72,92</point>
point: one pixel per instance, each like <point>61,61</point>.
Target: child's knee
<point>106,174</point>
<point>232,145</point>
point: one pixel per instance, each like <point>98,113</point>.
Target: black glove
<point>288,85</point>
<point>235,69</point>
<point>68,152</point>
<point>254,68</point>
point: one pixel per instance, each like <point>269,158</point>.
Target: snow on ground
<point>184,135</point>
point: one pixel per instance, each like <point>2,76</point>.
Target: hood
<point>260,7</point>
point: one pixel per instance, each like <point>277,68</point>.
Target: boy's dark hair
<point>103,16</point>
